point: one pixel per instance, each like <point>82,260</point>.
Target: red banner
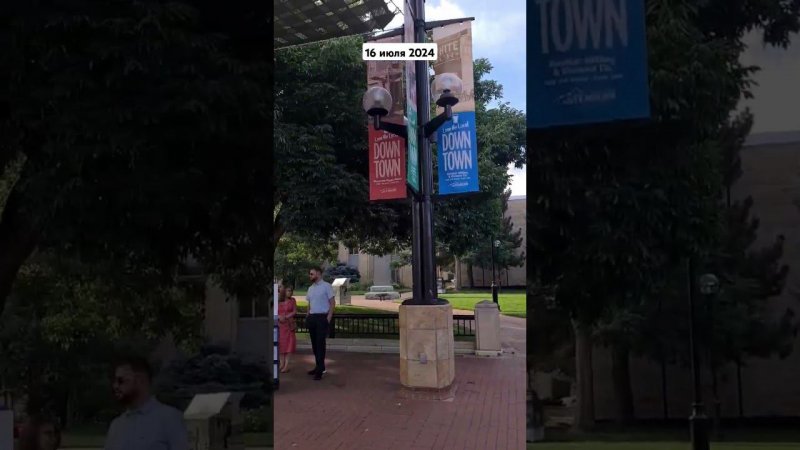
<point>387,165</point>
<point>387,152</point>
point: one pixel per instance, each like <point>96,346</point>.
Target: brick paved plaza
<point>360,405</point>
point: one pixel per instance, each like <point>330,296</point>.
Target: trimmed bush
<point>215,369</point>
<point>342,270</point>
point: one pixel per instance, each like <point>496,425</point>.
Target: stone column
<point>487,329</point>
<point>427,353</point>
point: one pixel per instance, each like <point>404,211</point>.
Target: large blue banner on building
<point>587,62</point>
<point>457,145</point>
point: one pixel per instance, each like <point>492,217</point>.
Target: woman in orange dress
<point>287,326</point>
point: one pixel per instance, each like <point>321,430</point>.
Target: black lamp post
<point>709,287</point>
<point>495,244</point>
<point>698,422</point>
<point>377,103</point>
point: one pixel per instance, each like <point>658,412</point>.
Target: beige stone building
<point>378,270</point>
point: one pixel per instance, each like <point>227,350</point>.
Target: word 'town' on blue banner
<point>457,148</point>
<point>587,62</point>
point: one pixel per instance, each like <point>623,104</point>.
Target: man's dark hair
<point>317,269</point>
<point>138,364</point>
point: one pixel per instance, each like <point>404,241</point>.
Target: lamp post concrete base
<point>427,350</point>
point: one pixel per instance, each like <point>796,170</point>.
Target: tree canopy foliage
<point>321,167</point>
<point>141,126</point>
<point>620,207</point>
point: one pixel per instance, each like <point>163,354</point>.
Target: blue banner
<point>457,148</point>
<point>587,62</point>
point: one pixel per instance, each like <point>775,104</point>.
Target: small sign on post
<point>214,422</point>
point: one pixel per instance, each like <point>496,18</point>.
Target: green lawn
<point>659,446</point>
<point>512,302</point>
<point>302,308</point>
<point>669,438</point>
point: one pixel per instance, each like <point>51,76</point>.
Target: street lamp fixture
<point>377,103</point>
<point>709,284</point>
<point>447,87</point>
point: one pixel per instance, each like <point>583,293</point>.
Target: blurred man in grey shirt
<point>146,423</point>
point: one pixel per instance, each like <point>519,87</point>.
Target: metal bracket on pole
<point>431,127</point>
<point>395,129</point>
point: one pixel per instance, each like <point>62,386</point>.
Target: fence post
<point>332,331</point>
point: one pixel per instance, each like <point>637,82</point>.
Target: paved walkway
<point>359,405</point>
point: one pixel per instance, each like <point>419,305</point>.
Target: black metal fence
<point>380,325</point>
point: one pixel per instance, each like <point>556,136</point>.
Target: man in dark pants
<point>320,313</point>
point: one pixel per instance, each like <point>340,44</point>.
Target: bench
<point>382,293</point>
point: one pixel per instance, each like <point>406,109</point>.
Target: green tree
<point>741,319</point>
<point>321,168</point>
<point>462,224</point>
<point>320,148</point>
<point>739,322</point>
<point>66,321</point>
<point>507,255</point>
<point>619,207</point>
<point>295,255</point>
<point>141,128</point>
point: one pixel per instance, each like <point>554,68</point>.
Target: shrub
<point>215,369</point>
<point>342,270</point>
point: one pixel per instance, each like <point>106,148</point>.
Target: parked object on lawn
<point>382,293</point>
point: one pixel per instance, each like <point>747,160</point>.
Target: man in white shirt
<point>320,313</point>
<point>146,423</point>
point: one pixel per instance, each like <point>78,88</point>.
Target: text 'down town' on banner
<point>387,152</point>
<point>587,62</point>
<point>456,140</point>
